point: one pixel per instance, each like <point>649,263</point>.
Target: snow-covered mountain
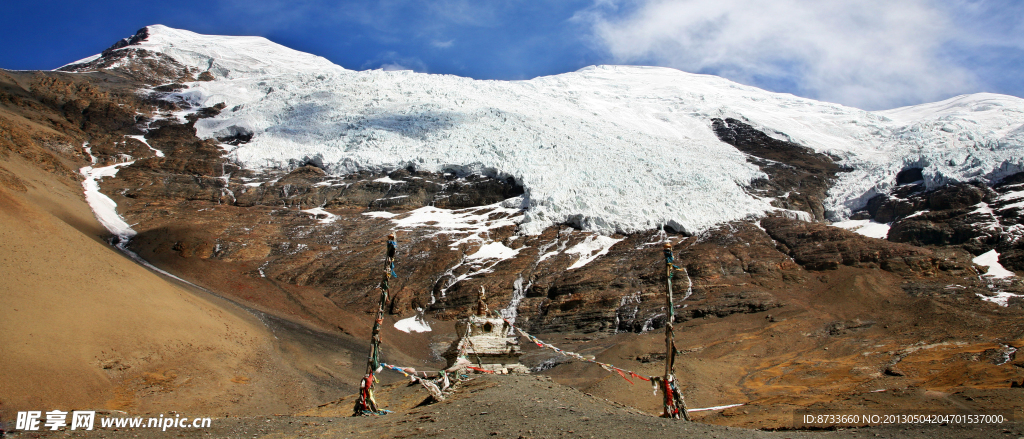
<point>225,57</point>
<point>608,148</point>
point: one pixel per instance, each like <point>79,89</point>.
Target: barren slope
<point>85,327</point>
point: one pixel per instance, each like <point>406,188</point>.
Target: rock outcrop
<point>971,216</point>
<point>798,178</point>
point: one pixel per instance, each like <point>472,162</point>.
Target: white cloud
<point>391,67</point>
<point>442,44</point>
<point>865,53</point>
<point>391,61</point>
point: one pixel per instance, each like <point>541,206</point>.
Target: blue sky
<point>871,54</point>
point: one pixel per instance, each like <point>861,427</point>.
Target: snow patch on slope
<point>474,222</point>
<point>387,179</point>
<point>317,212</point>
<point>142,139</point>
<point>1001,298</point>
<point>413,324</point>
<point>493,250</point>
<point>995,269</point>
<point>592,247</point>
<point>380,214</point>
<point>867,228</point>
<point>102,206</point>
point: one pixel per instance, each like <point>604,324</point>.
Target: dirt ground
<point>854,341</point>
<point>524,406</point>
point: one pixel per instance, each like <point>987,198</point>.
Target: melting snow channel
<point>88,151</point>
<point>142,139</point>
<point>104,207</point>
<point>105,210</point>
<point>689,284</point>
<point>518,293</point>
<point>561,247</point>
<point>1008,353</point>
<point>867,228</point>
<point>995,269</point>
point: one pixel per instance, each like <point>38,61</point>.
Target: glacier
<point>610,149</point>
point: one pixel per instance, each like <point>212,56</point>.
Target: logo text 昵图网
<point>86,420</point>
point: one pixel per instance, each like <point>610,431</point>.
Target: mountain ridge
<point>574,121</point>
<point>781,309</point>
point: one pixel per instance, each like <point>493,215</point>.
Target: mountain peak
<point>139,36</point>
<point>191,54</point>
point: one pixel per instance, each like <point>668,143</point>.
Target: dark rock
<point>1013,259</point>
<point>170,88</point>
<point>955,216</point>
<point>1014,179</point>
<point>957,196</point>
<point>843,327</point>
<point>894,371</point>
<point>141,65</point>
<point>820,247</point>
<point>727,303</point>
<point>792,169</point>
<point>862,215</point>
<point>886,209</point>
<point>307,174</point>
<point>140,36</point>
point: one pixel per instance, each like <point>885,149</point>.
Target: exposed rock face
<point>798,177</point>
<point>819,247</point>
<point>139,37</point>
<point>971,216</point>
<point>911,198</point>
